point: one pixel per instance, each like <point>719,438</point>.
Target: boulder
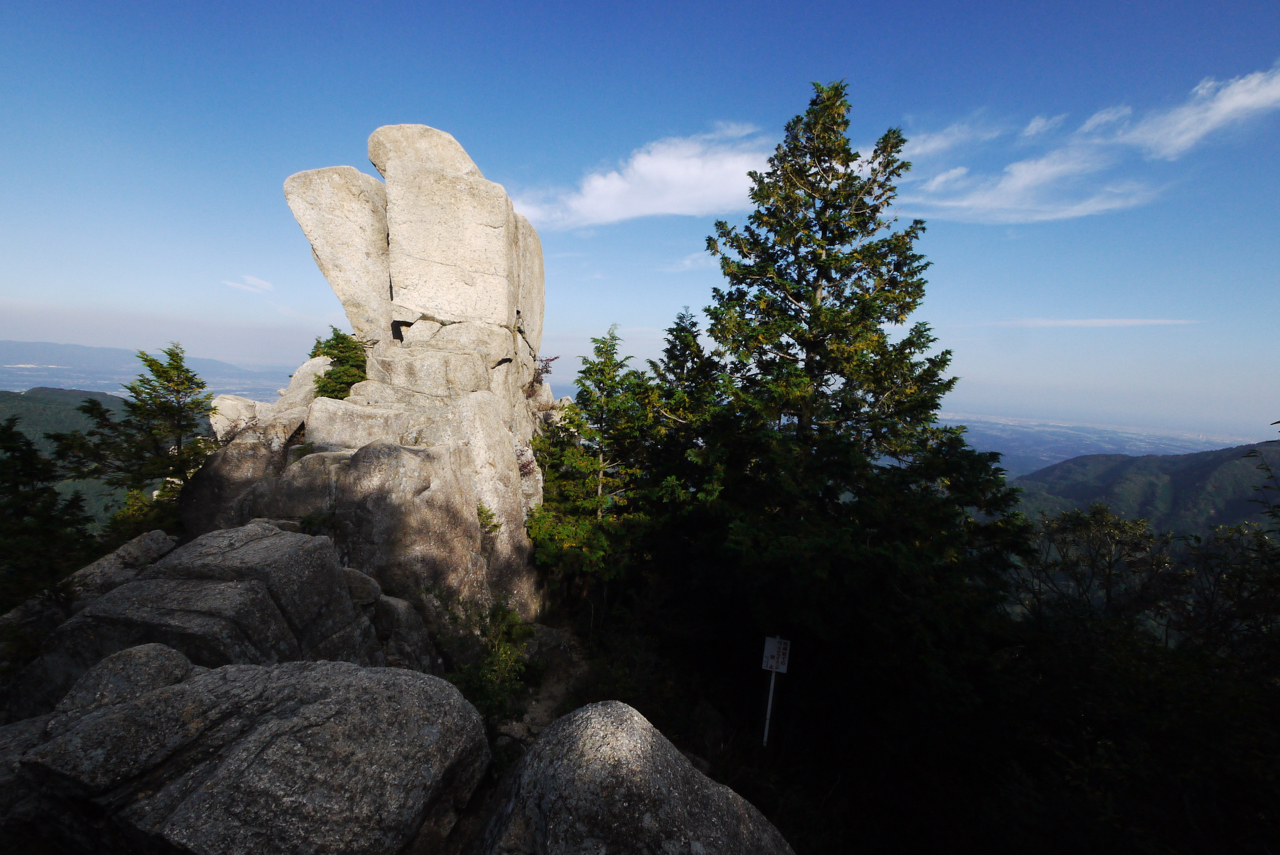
<point>605,780</point>
<point>302,577</point>
<point>209,500</point>
<point>111,571</point>
<point>301,390</point>
<point>343,213</point>
<point>122,676</point>
<point>231,413</point>
<point>318,757</point>
<point>452,233</point>
<point>254,595</point>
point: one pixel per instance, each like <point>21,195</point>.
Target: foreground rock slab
<point>314,757</point>
<point>254,595</point>
<point>603,779</point>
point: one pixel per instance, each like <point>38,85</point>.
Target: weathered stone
<point>605,780</point>
<point>452,233</point>
<point>301,390</point>
<point>530,283</point>
<point>334,424</point>
<point>302,576</point>
<point>343,213</point>
<point>363,588</point>
<point>231,414</point>
<point>209,500</point>
<point>403,636</point>
<point>120,677</point>
<point>212,623</point>
<point>305,757</point>
<point>111,571</point>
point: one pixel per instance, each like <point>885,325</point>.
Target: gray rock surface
<point>111,571</point>
<point>408,514</point>
<point>343,213</point>
<point>249,595</point>
<point>605,780</point>
<point>319,757</point>
<point>445,283</point>
<point>452,233</point>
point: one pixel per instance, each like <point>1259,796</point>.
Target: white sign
<point>776,653</point>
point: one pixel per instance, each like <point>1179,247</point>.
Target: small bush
<point>347,368</point>
<point>495,682</point>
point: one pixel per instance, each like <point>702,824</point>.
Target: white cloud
<point>697,175</point>
<point>263,284</point>
<point>1092,322</point>
<point>1109,116</point>
<point>693,261</point>
<point>1213,105</point>
<point>1051,187</point>
<point>1094,170</point>
<point>252,284</point>
<point>948,177</point>
<point>1042,124</point>
<point>946,139</point>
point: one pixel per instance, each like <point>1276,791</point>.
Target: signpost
<point>776,653</point>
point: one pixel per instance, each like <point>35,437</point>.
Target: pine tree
<point>42,533</point>
<point>162,439</point>
<point>347,367</point>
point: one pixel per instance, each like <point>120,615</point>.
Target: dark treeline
<point>959,676</point>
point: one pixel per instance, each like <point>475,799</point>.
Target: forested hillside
<point>1178,493</point>
<point>41,411</point>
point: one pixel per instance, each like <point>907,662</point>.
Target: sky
<point>1099,180</point>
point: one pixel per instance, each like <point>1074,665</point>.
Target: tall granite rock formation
<point>443,281</point>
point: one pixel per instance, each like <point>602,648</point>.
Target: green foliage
<point>142,512</point>
<point>347,368</point>
<point>43,535</point>
<point>1187,494</point>
<point>44,411</point>
<point>582,529</point>
<point>956,674</point>
<point>494,681</point>
<point>488,521</point>
<point>163,437</point>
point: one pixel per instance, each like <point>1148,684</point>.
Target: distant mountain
<point>41,411</point>
<point>29,364</point>
<point>1026,446</point>
<point>1182,493</point>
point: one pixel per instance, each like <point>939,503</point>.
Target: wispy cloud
<point>1033,190</point>
<point>953,136</point>
<point>1213,105</point>
<point>1094,169</point>
<point>1102,118</point>
<point>693,261</point>
<point>252,284</point>
<point>1042,124</point>
<point>943,178</point>
<point>696,175</point>
<point>1092,322</point>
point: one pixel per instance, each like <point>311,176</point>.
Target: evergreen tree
<point>162,439</point>
<point>43,534</point>
<point>347,367</point>
<point>590,464</point>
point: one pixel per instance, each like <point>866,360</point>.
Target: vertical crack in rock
<point>448,397</point>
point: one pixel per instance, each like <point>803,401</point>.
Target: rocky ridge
<point>234,695</point>
<point>443,281</point>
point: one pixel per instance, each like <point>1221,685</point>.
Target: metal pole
<point>773,675</point>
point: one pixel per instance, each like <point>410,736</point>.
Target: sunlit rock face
<point>443,281</point>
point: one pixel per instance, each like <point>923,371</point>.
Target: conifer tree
<point>163,437</point>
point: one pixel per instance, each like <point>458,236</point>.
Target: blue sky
<point>1100,179</point>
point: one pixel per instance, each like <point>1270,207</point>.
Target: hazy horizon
<point>1098,180</point>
